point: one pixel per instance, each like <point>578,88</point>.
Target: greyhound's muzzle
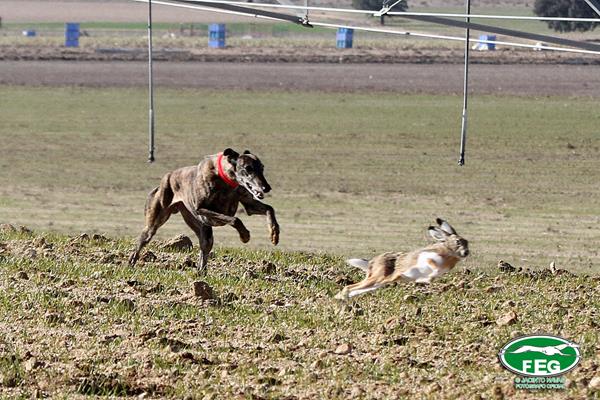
<point>256,191</point>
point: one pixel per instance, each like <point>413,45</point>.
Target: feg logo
<point>539,355</point>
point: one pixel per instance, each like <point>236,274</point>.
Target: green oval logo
<point>539,355</point>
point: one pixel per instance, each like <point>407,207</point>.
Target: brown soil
<point>295,54</point>
<point>570,80</point>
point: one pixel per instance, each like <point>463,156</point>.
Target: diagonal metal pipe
<point>253,11</point>
<point>506,32</point>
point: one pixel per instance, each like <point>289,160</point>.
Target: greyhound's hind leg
<point>156,216</point>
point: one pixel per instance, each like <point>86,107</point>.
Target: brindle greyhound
<point>208,195</point>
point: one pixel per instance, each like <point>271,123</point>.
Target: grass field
<point>353,174</point>
<point>76,321</point>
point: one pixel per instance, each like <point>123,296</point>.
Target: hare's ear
<point>446,227</point>
<point>437,233</point>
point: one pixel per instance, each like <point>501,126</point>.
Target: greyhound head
<point>248,171</point>
<point>446,234</point>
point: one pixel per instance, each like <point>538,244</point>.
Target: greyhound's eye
<point>249,169</point>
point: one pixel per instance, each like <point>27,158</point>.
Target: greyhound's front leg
<point>256,207</point>
<point>206,244</point>
<point>273,225</point>
<point>217,219</point>
<point>205,237</point>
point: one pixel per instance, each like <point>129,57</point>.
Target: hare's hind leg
<point>356,292</point>
<point>381,270</point>
<point>367,285</point>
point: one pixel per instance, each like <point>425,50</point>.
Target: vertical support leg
<point>150,88</point>
<point>463,135</point>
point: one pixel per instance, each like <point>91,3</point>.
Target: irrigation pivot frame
<point>580,47</point>
<point>255,10</point>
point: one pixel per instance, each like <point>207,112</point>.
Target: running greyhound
<point>208,195</point>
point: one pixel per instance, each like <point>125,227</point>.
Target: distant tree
<point>566,8</point>
<point>377,4</point>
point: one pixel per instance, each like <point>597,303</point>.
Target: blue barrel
<point>72,34</point>
<point>487,46</point>
<point>216,36</point>
<point>29,33</point>
<point>344,38</point>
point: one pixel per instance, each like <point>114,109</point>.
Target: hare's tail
<point>359,263</point>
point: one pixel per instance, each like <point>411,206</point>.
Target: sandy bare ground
<point>115,11</point>
<point>540,80</point>
<point>128,11</point>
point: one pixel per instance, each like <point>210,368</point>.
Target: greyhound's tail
<point>359,263</point>
<point>149,199</point>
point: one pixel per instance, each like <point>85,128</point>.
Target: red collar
<point>233,184</point>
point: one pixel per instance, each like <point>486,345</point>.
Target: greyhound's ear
<point>437,233</point>
<point>231,155</point>
<point>247,152</point>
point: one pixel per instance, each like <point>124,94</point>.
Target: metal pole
<point>150,88</point>
<point>306,10</point>
<point>463,135</point>
<point>593,6</point>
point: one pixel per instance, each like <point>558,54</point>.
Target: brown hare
<point>418,266</point>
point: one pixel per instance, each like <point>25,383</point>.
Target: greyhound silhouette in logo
<point>548,350</point>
